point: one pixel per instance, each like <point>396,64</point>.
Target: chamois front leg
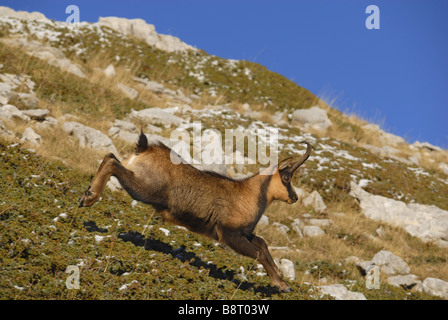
<point>255,248</point>
<point>102,176</point>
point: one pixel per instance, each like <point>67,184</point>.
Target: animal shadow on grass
<point>183,255</point>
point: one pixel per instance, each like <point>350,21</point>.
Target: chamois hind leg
<point>241,244</point>
<point>110,166</point>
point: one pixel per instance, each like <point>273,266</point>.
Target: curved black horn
<point>297,164</point>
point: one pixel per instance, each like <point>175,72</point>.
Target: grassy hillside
<point>117,244</point>
<point>123,249</point>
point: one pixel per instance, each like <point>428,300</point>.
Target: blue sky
<point>396,76</point>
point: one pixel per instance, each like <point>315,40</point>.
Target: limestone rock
<point>436,287</point>
<point>286,267</point>
<point>312,231</point>
<point>426,222</point>
<point>110,71</point>
<point>140,29</point>
<point>10,112</point>
<point>156,115</point>
<point>315,200</point>
<point>89,137</point>
<point>404,281</point>
<point>340,292</point>
<point>30,136</point>
<point>129,92</point>
<point>313,117</point>
<point>36,114</point>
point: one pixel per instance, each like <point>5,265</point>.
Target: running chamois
<point>207,203</point>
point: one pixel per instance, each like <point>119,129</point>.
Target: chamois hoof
<point>286,290</point>
<point>88,199</point>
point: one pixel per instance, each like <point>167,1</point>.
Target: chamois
<point>204,202</point>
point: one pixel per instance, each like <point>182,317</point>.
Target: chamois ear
<point>285,163</point>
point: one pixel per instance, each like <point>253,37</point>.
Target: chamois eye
<point>286,178</point>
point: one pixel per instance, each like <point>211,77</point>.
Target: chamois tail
<point>142,144</point>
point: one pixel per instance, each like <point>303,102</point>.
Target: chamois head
<point>281,187</point>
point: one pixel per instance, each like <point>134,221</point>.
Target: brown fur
<point>207,203</point>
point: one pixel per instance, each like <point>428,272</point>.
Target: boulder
<point>156,115</point>
<point>436,287</point>
<point>281,227</point>
<point>388,263</point>
<point>23,15</point>
<point>29,101</point>
<point>426,222</point>
<point>312,231</point>
<point>314,117</point>
<point>297,225</point>
<point>47,123</point>
<point>109,71</point>
<point>30,136</point>
<point>6,93</point>
<point>129,92</point>
<point>36,114</point>
<point>125,131</point>
<point>10,112</point>
<point>315,201</point>
<point>340,292</point>
<point>324,223</point>
<point>140,29</point>
<point>264,220</point>
<point>4,131</point>
<point>286,267</point>
<point>53,56</point>
<point>89,137</point>
<point>404,281</point>
<point>153,86</point>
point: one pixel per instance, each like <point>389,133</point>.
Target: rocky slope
<point>70,93</point>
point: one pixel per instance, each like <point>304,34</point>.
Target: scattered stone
<point>324,223</point>
<point>28,100</point>
<point>129,92</point>
<point>297,226</point>
<point>264,220</point>
<point>110,71</point>
<point>352,259</point>
<point>381,233</point>
<point>388,263</point>
<point>281,227</point>
<point>4,131</point>
<point>286,267</point>
<point>10,112</point>
<point>36,114</point>
<point>47,123</point>
<point>113,184</point>
<point>426,146</point>
<point>312,231</point>
<point>6,93</point>
<point>340,292</point>
<point>89,137</point>
<point>404,281</point>
<point>301,194</point>
<point>153,86</point>
<point>315,201</point>
<point>156,115</point>
<point>436,287</point>
<point>30,136</point>
<point>426,222</point>
<point>140,29</point>
<point>53,56</point>
<point>314,117</point>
